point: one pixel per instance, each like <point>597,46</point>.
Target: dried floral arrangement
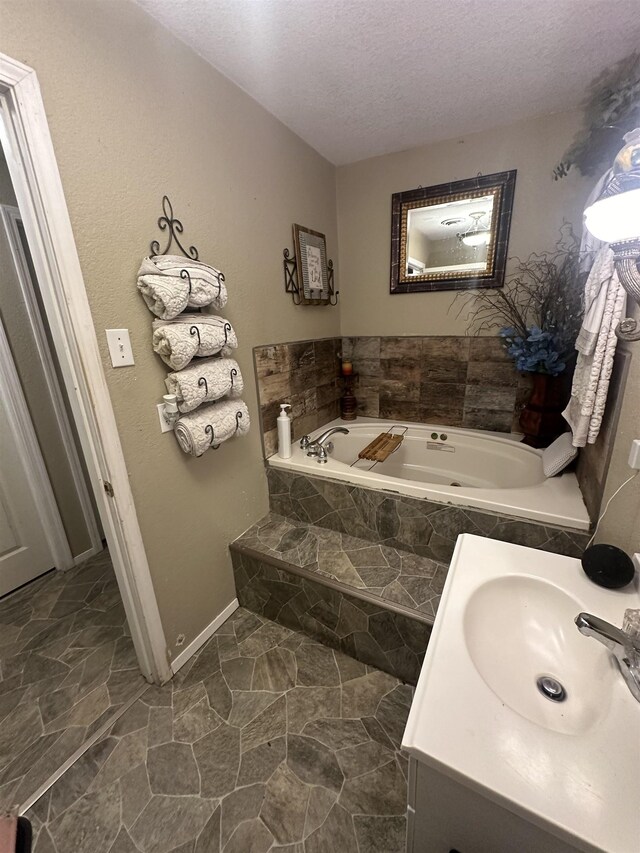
<point>611,109</point>
<point>539,310</point>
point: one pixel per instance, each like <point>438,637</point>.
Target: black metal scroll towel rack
<point>168,222</point>
<point>202,381</point>
<point>210,431</point>
<point>194,331</point>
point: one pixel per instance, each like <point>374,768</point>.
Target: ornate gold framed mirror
<point>451,236</point>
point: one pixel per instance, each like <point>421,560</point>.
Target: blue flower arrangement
<point>538,312</point>
<point>538,352</point>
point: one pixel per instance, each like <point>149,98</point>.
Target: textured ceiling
<point>357,78</point>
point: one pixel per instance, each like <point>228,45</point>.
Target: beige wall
<point>135,114</point>
<point>418,245</point>
<point>621,524</point>
<point>364,192</point>
<point>15,320</point>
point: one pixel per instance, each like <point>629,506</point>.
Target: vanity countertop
<point>505,619</point>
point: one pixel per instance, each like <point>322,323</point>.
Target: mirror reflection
<point>450,237</point>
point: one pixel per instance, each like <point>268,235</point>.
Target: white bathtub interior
<point>487,470</point>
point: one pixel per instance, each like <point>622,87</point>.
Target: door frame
<point>24,133</point>
<point>10,217</point>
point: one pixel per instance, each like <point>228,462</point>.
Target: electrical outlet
<point>120,347</point>
<point>164,426</point>
<point>634,454</point>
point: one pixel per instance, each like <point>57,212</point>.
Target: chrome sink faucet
<point>320,447</point>
<point>624,647</point>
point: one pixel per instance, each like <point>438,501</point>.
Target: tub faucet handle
<point>314,447</point>
<point>323,454</point>
<point>305,441</point>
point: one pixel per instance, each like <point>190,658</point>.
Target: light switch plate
<point>120,347</point>
<point>164,426</point>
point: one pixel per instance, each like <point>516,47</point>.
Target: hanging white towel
<point>205,381</point>
<point>178,341</point>
<point>210,425</point>
<point>605,301</point>
<point>170,283</point>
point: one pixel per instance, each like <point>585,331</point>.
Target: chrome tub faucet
<point>625,647</point>
<point>320,447</point>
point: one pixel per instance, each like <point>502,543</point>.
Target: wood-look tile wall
<point>457,381</point>
<point>304,374</point>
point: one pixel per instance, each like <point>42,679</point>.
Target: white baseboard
<point>90,552</point>
<point>203,636</point>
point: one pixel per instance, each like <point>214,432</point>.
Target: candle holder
<point>348,401</point>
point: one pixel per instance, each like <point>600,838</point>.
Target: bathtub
<point>472,468</point>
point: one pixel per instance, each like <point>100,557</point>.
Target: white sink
<point>519,629</point>
<point>506,619</point>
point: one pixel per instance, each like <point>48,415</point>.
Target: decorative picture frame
<point>311,260</point>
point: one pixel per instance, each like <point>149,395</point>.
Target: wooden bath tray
<point>381,447</point>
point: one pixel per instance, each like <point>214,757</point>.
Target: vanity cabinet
<point>496,766</point>
<point>445,816</point>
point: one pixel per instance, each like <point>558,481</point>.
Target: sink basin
<point>571,768</point>
<point>519,629</point>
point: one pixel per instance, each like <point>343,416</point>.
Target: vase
<point>348,402</point>
<point>541,419</point>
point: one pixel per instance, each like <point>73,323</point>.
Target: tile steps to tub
<point>424,527</point>
<point>372,601</point>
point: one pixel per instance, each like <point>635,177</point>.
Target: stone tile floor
<point>67,664</point>
<point>265,741</point>
<point>387,572</point>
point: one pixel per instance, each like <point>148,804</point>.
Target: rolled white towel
<point>210,425</point>
<point>205,381</point>
<point>178,341</point>
<point>169,284</point>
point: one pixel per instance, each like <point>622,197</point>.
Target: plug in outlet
<point>634,455</point>
<point>165,426</point>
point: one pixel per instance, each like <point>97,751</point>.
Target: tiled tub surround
<point>265,741</point>
<point>373,602</point>
<point>67,665</point>
<point>455,380</point>
<point>472,469</point>
<point>423,527</point>
<point>303,374</point>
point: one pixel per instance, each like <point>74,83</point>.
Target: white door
<point>27,543</point>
